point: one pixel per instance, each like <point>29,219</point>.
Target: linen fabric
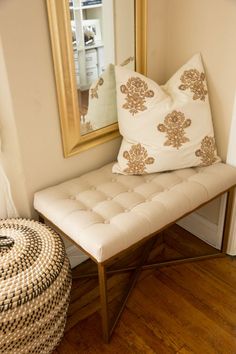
<point>164,127</point>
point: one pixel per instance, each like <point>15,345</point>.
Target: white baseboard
<point>75,256</point>
<point>232,240</point>
<point>231,249</point>
<point>231,160</point>
<point>202,228</point>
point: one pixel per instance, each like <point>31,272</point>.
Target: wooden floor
<point>187,308</point>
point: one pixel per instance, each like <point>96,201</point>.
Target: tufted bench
<point>105,214</point>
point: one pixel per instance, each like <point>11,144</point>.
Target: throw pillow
<point>164,127</point>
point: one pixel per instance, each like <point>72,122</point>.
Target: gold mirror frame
<point>60,30</point>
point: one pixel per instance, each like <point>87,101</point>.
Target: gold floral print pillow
<point>164,127</point>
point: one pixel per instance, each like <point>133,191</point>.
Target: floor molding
<point>202,228</point>
<point>231,160</point>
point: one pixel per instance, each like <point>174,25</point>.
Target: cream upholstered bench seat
<point>105,214</point>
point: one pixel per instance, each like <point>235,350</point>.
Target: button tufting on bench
<point>105,214</point>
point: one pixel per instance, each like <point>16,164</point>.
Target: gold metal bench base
<point>108,326</point>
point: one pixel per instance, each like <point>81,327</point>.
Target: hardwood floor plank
<point>223,269</point>
<point>184,309</point>
<point>89,303</point>
<point>136,343</point>
<point>194,323</point>
<point>87,337</point>
<point>165,326</point>
<point>182,241</point>
<point>82,287</point>
<point>185,350</point>
<point>174,329</point>
<point>212,297</point>
<point>66,347</point>
<point>143,332</point>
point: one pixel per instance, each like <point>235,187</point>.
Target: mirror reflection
<point>98,29</point>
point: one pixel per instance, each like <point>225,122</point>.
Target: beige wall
<point>156,39</point>
<point>209,27</point>
<point>32,141</point>
<point>180,28</point>
<point>10,156</point>
<point>124,30</point>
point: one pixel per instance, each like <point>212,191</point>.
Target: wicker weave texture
<point>35,283</point>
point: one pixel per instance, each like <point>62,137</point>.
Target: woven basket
<point>35,283</point>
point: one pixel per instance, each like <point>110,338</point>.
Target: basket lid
<point>31,258</point>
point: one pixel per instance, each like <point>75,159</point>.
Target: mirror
<point>86,36</point>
